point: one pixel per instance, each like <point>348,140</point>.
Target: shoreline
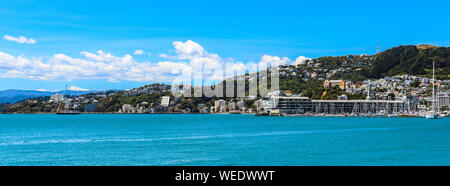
<point>329,116</point>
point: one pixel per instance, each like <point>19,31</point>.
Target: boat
<point>262,114</point>
<point>393,115</point>
<point>433,114</point>
<point>354,115</point>
<point>65,112</point>
<point>381,114</point>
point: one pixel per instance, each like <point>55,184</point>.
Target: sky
<point>100,45</point>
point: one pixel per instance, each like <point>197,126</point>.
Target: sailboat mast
<point>434,101</point>
<point>368,90</point>
<point>61,99</point>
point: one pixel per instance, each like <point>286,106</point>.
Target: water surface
<point>221,140</point>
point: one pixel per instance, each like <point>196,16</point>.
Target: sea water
<point>168,140</point>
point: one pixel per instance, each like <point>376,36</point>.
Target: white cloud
<point>301,60</point>
<point>21,39</point>
<point>197,56</point>
<point>103,65</point>
<point>164,56</point>
<point>188,50</point>
<point>138,52</point>
<point>74,88</point>
<point>267,59</point>
<point>92,56</point>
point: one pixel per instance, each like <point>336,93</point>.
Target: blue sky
<point>242,30</point>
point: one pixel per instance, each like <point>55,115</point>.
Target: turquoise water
<point>221,140</point>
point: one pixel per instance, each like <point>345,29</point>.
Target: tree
<point>415,83</point>
<point>249,103</point>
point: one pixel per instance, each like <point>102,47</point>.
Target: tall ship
<point>65,112</point>
<point>432,114</point>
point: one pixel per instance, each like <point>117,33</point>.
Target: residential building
<point>442,99</point>
<point>334,83</point>
<point>127,108</point>
<point>165,101</point>
<point>220,105</point>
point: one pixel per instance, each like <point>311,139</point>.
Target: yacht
<point>393,115</point>
<point>65,112</point>
<point>433,114</point>
<point>382,113</point>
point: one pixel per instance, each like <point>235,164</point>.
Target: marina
<point>303,106</point>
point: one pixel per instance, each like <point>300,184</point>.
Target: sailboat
<point>433,114</point>
<point>65,112</point>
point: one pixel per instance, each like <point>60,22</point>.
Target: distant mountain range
<point>13,96</point>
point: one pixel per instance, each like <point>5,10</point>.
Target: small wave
<point>274,133</point>
<point>51,141</point>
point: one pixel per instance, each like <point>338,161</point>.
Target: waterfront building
<point>289,105</point>
<point>220,105</point>
<point>232,106</point>
<point>443,99</point>
<point>165,101</point>
<point>239,105</point>
<point>127,108</point>
<point>358,106</point>
<point>304,105</point>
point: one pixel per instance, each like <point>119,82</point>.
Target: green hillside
<point>412,60</point>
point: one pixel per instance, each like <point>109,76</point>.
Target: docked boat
<point>393,115</point>
<point>65,112</point>
<point>354,115</point>
<point>381,114</point>
<point>433,114</point>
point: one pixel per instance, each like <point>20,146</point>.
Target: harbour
<point>221,139</point>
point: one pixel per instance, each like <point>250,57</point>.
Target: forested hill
<point>412,60</point>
